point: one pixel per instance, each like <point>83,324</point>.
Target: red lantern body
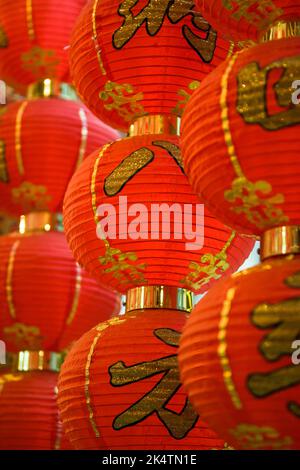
<point>247,19</point>
<point>34,36</point>
<point>47,300</point>
<point>29,417</point>
<point>147,171</point>
<point>248,99</point>
<point>236,357</point>
<point>133,399</point>
<point>133,58</point>
<point>41,144</point>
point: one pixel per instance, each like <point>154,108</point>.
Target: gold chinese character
<point>157,399</point>
<point>284,319</point>
<point>154,14</point>
<point>256,12</point>
<point>252,97</point>
<point>3,164</point>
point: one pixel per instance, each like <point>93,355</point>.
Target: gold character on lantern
<point>252,94</point>
<point>3,165</point>
<point>157,399</point>
<point>284,319</point>
<point>153,15</point>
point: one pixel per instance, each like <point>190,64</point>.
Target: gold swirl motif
<point>120,262</point>
<point>245,192</point>
<point>95,38</point>
<point>76,295</point>
<point>38,60</point>
<point>123,99</point>
<point>222,349</point>
<point>84,136</point>
<point>99,330</point>
<point>29,19</point>
<point>255,437</point>
<point>211,265</point>
<point>18,129</point>
<point>31,197</point>
<point>9,275</point>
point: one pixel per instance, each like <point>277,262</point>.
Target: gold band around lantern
<point>280,241</point>
<point>155,124</point>
<point>281,30</point>
<point>29,361</point>
<point>156,297</point>
<point>48,88</point>
<point>40,222</point>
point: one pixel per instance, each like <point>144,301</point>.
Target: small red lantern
<point>249,99</point>
<point>47,300</point>
<point>34,35</point>
<point>42,141</point>
<point>29,417</point>
<point>127,186</point>
<point>128,60</point>
<point>247,19</point>
<point>238,357</point>
<point>119,387</point>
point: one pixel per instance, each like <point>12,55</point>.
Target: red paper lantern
<point>239,138</point>
<point>146,171</point>
<point>47,300</point>
<point>34,35</point>
<point>236,358</point>
<point>29,417</point>
<point>42,142</point>
<point>131,58</point>
<point>247,19</point>
<point>119,387</point>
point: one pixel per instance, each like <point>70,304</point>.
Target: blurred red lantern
<point>236,360</point>
<point>248,99</point>
<point>247,19</point>
<point>42,141</point>
<point>29,417</point>
<point>128,60</point>
<point>47,300</point>
<point>119,387</point>
<point>120,191</point>
<point>34,35</point>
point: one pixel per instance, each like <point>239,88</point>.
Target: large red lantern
<point>131,58</point>
<point>239,138</point>
<point>119,387</point>
<point>248,19</point>
<point>34,38</point>
<point>42,141</point>
<point>127,212</point>
<point>29,416</point>
<point>47,300</point>
<point>238,356</point>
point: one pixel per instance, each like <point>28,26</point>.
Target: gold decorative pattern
<point>184,96</point>
<point>259,13</point>
<point>255,437</point>
<point>95,38</point>
<point>40,61</point>
<point>9,275</point>
<point>172,150</point>
<point>84,136</point>
<point>126,170</point>
<point>3,164</point>
<point>31,197</point>
<point>75,302</point>
<point>29,19</point>
<point>18,130</point>
<point>119,261</point>
<point>123,99</point>
<point>260,211</point>
<point>23,336</point>
<point>99,330</point>
<point>3,38</point>
<point>211,266</point>
<point>6,378</point>
<point>222,349</point>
